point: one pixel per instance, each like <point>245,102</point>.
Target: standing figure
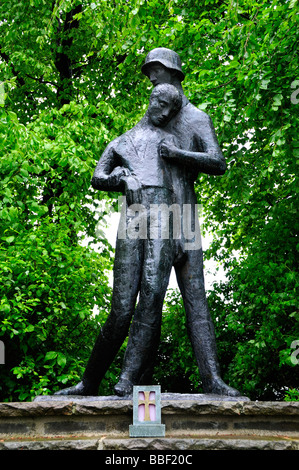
<point>157,162</point>
<point>132,165</point>
<point>196,151</point>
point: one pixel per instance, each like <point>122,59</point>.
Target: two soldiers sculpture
<point>156,163</point>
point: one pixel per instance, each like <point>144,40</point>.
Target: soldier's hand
<point>167,149</point>
<point>118,174</point>
<point>133,190</point>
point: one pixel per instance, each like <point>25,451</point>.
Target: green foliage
<point>72,81</point>
<point>50,280</point>
<point>292,395</point>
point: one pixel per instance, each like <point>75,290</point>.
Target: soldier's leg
<point>127,268</point>
<point>200,327</point>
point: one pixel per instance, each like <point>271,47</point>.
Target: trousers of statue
<point>142,268</point>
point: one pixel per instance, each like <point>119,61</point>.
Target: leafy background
<point>71,82</point>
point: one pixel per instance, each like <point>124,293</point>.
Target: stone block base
<point>149,430</point>
<point>192,422</point>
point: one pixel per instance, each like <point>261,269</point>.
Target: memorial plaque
<point>147,412</point>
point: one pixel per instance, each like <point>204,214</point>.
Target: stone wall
<point>191,423</point>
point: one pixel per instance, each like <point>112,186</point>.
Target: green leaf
<point>61,360</point>
<point>51,355</point>
<point>9,239</point>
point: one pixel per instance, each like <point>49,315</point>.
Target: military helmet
<point>167,57</point>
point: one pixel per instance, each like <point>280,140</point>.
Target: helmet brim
<point>145,68</point>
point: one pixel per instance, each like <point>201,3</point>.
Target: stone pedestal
<point>191,422</point>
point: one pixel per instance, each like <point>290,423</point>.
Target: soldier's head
<point>163,65</point>
<point>165,102</point>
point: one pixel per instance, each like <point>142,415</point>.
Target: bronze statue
<point>156,164</point>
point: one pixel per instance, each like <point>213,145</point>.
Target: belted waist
<point>157,195</point>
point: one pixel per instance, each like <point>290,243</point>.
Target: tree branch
<point>224,84</point>
<point>63,60</point>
